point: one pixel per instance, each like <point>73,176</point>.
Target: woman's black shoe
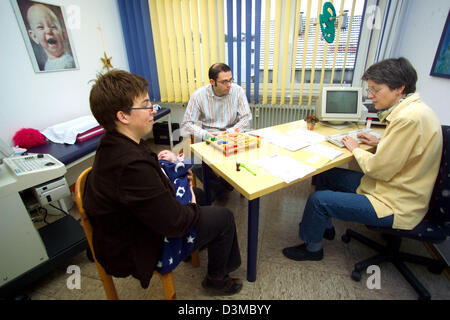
<point>299,253</point>
<point>226,286</point>
<point>329,234</point>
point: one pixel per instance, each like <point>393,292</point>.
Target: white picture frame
<point>47,39</point>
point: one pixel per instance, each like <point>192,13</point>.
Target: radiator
<point>270,115</point>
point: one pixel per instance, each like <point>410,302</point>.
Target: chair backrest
<point>440,201</point>
<point>107,281</point>
<point>79,192</point>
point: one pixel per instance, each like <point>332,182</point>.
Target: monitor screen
<point>342,102</point>
<point>339,104</point>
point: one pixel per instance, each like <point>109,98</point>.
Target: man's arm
<point>190,124</point>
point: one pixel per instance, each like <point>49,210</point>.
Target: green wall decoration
<point>327,19</point>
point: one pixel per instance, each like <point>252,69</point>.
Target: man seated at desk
<point>214,109</point>
<point>396,182</point>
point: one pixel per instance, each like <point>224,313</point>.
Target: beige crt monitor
<point>338,105</point>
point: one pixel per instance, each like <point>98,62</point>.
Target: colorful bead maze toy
<point>234,142</point>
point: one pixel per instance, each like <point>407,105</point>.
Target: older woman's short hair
<point>115,91</point>
<point>394,73</point>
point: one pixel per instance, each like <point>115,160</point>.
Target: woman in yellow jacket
<point>396,182</point>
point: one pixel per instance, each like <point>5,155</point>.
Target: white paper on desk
<point>288,142</point>
<point>306,135</point>
<point>324,151</point>
<point>277,138</point>
<point>284,167</point>
<point>266,132</point>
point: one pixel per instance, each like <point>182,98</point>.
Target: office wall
<point>419,41</point>
<point>39,100</point>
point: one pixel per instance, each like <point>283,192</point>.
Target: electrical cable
<point>66,213</point>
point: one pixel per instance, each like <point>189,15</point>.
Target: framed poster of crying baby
<point>47,39</point>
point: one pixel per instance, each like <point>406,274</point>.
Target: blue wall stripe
<point>248,47</point>
<point>136,25</point>
<point>151,68</point>
<point>238,38</point>
<point>257,49</point>
<point>139,40</point>
<point>134,37</point>
<point>230,32</point>
<point>126,32</point>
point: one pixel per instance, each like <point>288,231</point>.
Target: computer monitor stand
<point>338,126</point>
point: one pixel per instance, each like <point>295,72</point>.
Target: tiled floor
<point>277,276</point>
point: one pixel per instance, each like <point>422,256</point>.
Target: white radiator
<point>269,115</point>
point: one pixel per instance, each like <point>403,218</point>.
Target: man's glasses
<point>226,81</point>
<point>153,107</point>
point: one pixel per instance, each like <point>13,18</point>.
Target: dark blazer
<point>131,204</point>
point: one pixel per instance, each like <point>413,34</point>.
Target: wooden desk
<point>254,187</point>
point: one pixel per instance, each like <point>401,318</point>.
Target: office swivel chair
<point>434,228</point>
<point>108,283</point>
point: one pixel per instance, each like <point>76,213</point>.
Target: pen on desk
<point>254,135</point>
<point>243,166</point>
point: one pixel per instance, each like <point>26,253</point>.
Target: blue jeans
<point>336,197</point>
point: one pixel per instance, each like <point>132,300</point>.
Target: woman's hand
<point>167,155</point>
<point>368,139</point>
<point>350,143</point>
<point>193,200</point>
<point>190,177</point>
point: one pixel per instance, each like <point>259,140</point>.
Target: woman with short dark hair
<point>130,201</point>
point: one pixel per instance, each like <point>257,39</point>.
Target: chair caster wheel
<point>345,238</point>
<point>356,275</point>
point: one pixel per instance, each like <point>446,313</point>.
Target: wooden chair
<point>108,283</point>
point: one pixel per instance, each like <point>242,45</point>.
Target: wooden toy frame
<point>234,142</point>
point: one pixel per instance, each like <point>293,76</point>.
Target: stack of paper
<point>277,138</point>
<point>305,135</point>
<point>324,151</point>
<point>284,167</point>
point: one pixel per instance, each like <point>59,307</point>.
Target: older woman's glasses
<point>153,107</point>
<point>373,91</point>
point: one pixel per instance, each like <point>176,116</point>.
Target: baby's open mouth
<point>52,41</point>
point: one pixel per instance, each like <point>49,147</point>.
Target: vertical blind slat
<point>248,46</point>
<point>266,52</point>
<point>257,48</point>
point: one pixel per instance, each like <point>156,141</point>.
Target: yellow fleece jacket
<point>399,177</point>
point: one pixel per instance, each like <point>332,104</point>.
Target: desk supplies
<point>246,168</point>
